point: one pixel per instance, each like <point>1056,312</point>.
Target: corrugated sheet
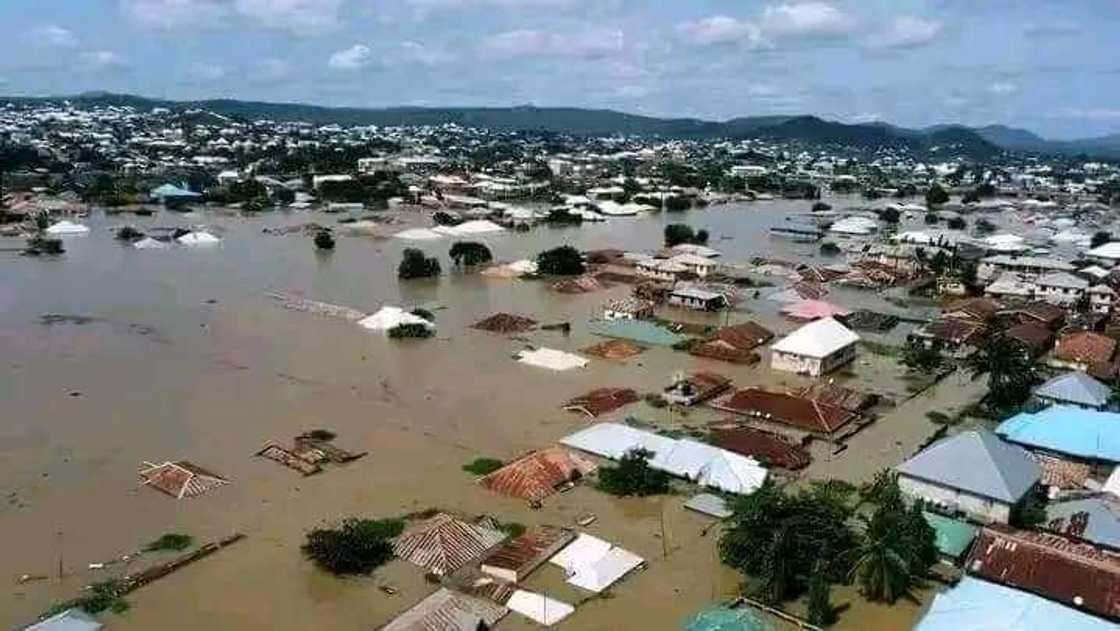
<point>445,543</point>
<point>786,409</point>
<point>447,610</point>
<point>528,551</point>
<point>602,400</point>
<point>537,475</point>
<point>1076,575</point>
<point>180,479</point>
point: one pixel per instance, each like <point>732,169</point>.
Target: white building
<point>1060,288</point>
<point>815,349</point>
<point>1101,298</point>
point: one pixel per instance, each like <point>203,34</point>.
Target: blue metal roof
<point>1077,388</point>
<point>977,605</point>
<point>1067,430</point>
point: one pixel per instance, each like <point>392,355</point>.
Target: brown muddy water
<point>185,357</point>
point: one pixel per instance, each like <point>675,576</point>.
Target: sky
<point>1050,66</point>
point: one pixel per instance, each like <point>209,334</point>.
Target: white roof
<point>1109,250</point>
<point>198,238</point>
<point>552,359</point>
<point>148,243</point>
<point>612,440</point>
<point>540,609</point>
<point>67,227</point>
<point>819,338</point>
<point>480,226</point>
<point>391,317</point>
<point>593,564</point>
<point>418,234</point>
<point>699,250</point>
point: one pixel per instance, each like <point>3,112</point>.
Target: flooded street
<point>184,356</point>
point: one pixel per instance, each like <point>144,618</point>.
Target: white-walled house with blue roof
<point>974,473</point>
<point>1075,388</point>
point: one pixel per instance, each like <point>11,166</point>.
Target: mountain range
<point>979,142</point>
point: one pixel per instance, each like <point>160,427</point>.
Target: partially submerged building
<point>815,349</point>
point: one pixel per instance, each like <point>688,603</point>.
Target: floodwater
<point>185,357</point>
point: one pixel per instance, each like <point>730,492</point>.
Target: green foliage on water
<point>171,541</point>
<point>483,466</point>
<point>633,476</point>
<point>354,546</point>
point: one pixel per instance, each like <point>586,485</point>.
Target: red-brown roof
<point>601,400</point>
<point>838,396</point>
<point>723,351</point>
<point>537,475</point>
<point>180,479</point>
<point>746,336</point>
<point>786,409</point>
<point>982,309</point>
<point>445,543</point>
<point>1034,335</point>
<point>526,552</point>
<point>951,331</point>
<point>614,349</point>
<point>763,446</point>
<point>505,323</point>
<point>1042,312</point>
<point>1074,574</point>
<point>1085,347</point>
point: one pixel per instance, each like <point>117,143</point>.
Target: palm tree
<point>1010,371</point>
<point>777,570</point>
<point>882,571</point>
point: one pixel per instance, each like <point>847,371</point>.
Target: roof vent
<point>1077,600</point>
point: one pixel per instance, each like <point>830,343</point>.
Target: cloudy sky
<point>1053,67</point>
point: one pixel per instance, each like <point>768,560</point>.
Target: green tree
<point>936,195</point>
<point>415,265</point>
<point>898,545</point>
<point>355,546</point>
<point>561,261</point>
<point>819,605</point>
<point>956,223</point>
<point>470,253</point>
<point>1100,238</point>
<point>1010,370</point>
<point>634,476</point>
<point>890,215</point>
<point>919,357</point>
<point>677,233</point>
<point>324,240</point>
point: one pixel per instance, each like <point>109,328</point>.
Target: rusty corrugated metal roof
<point>537,475</point>
<point>1074,574</point>
<point>786,409</point>
<point>526,552</point>
<point>445,543</point>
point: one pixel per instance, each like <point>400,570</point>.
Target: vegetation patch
<point>483,466</point>
<point>170,542</point>
<point>633,476</point>
<point>355,546</point>
<point>412,330</point>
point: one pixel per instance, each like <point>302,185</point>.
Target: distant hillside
<point>979,142</point>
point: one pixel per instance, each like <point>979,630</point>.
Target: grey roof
<point>69,620</point>
<point>1075,387</point>
<point>709,504</point>
<point>977,462</point>
<point>1095,519</point>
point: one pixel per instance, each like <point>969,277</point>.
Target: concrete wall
<point>979,508</point>
<point>810,365</point>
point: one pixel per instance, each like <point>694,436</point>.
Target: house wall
<point>979,508</point>
<point>812,366</point>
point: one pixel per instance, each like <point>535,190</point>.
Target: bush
<point>819,207</point>
<point>956,223</point>
<point>415,265</point>
<point>128,233</point>
<point>931,219</point>
<point>677,204</point>
<point>45,245</point>
<point>562,261</point>
<point>561,216</point>
<point>324,240</point>
<point>421,312</point>
<point>356,546</point>
<point>678,233</point>
<point>633,476</point>
<point>828,248</point>
<point>483,466</point>
<point>170,542</point>
<point>470,253</point>
<point>890,215</point>
<point>411,331</point>
<point>936,195</point>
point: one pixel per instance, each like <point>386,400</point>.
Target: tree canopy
<point>560,261</point>
<point>936,195</point>
<point>470,253</point>
<point>355,546</point>
<point>633,476</point>
<point>1010,369</point>
<point>414,264</point>
<point>678,233</point>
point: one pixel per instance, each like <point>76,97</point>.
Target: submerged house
<point>1075,388</point>
<point>974,604</point>
<point>974,473</point>
<point>694,297</point>
<point>1081,434</point>
<point>815,349</point>
<point>696,387</point>
<point>788,414</point>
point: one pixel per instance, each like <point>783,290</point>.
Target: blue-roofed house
<point>1093,518</point>
<point>68,620</point>
<point>953,537</point>
<point>1075,388</point>
<point>171,195</point>
<point>977,605</point>
<point>974,473</point>
<point>1071,431</point>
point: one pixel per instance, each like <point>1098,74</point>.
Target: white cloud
<point>416,52</point>
<point>1003,88</point>
<point>208,72</point>
<point>1093,113</point>
<point>300,17</point>
<point>54,35</point>
<point>357,56</point>
<point>720,29</point>
<point>763,90</point>
<point>865,117</point>
<point>522,43</point>
<point>102,59</point>
<point>806,19</point>
<point>269,70</point>
<point>907,32</point>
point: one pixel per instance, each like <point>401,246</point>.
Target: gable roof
<point>447,610</point>
<point>1068,430</point>
<point>180,479</point>
<point>445,543</point>
<point>787,409</point>
<point>1085,347</point>
<point>1095,518</point>
<point>1076,575</point>
<point>975,605</point>
<point>977,462</point>
<point>1075,387</point>
<point>537,475</point>
<point>817,339</point>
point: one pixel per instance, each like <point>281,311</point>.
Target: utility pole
<point>59,555</point>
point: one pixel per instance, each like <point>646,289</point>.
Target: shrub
<point>483,466</point>
<point>828,248</point>
<point>421,312</point>
<point>633,476</point>
<point>324,240</point>
<point>411,331</point>
<point>470,253</point>
<point>355,546</point>
<point>562,261</point>
<point>956,223</point>
<point>677,204</point>
<point>821,207</point>
<point>170,542</point>
<point>128,233</point>
<point>415,265</point>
